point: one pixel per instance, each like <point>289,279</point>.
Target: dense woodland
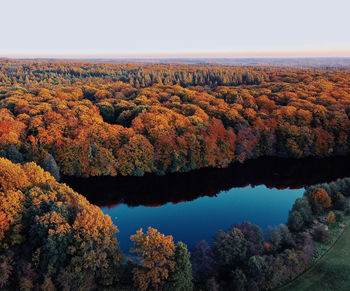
<point>91,119</point>
<point>242,258</point>
<point>51,237</point>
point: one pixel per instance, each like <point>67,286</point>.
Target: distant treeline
<point>109,119</point>
<point>43,73</point>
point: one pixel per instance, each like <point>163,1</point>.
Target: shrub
<point>321,234</point>
<point>339,216</point>
<point>341,203</point>
<point>331,217</point>
<point>347,211</point>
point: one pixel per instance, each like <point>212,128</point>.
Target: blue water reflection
<point>192,221</point>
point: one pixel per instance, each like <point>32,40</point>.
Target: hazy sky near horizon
<point>175,28</point>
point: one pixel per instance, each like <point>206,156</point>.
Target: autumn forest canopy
<point>52,238</point>
<point>101,119</point>
<point>92,119</point>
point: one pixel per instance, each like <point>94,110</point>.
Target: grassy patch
<point>334,231</point>
<point>332,271</point>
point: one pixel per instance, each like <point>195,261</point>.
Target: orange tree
<point>155,256</point>
<point>123,119</point>
<point>320,196</point>
<point>50,236</point>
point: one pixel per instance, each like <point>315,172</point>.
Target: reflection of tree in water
<point>152,190</point>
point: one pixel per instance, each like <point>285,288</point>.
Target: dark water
<point>194,206</point>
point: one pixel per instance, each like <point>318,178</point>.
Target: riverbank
<point>149,190</point>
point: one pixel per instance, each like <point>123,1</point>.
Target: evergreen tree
<point>181,278</point>
<point>14,155</point>
<point>49,164</point>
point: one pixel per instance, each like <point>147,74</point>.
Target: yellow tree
<point>331,217</point>
<point>155,254</point>
<point>4,224</point>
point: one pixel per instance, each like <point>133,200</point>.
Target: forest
<point>93,119</point>
<point>83,119</point>
<point>52,237</point>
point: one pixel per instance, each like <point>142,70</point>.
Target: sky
<point>181,28</point>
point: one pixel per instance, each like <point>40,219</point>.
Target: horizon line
<point>296,53</point>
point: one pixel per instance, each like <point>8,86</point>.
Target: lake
<point>194,206</point>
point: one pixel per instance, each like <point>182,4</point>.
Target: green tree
<point>13,154</point>
<point>49,164</point>
<point>181,278</point>
<point>295,220</point>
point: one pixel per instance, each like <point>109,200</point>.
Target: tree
<point>239,280</point>
<point>5,269</point>
<point>300,215</point>
<point>4,224</point>
<point>230,248</point>
<point>65,108</point>
<point>203,262</point>
<point>181,278</point>
<point>257,268</point>
<point>12,175</point>
<point>155,253</point>
<point>254,236</point>
<point>51,228</point>
<point>295,221</point>
<point>321,197</point>
<point>280,237</point>
<point>341,203</point>
<point>321,234</point>
<point>303,207</point>
<point>13,154</point>
<point>49,164</point>
<point>107,111</point>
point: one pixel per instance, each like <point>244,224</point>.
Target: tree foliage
<point>242,259</point>
<point>321,197</point>
<point>181,278</point>
<point>50,236</point>
<point>110,119</point>
<point>156,259</point>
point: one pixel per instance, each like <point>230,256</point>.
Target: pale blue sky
<point>175,28</point>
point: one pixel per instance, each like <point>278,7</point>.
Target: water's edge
<point>153,190</point>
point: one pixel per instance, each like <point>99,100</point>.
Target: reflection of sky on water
<point>200,219</point>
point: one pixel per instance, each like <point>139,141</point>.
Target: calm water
<point>196,220</point>
<point>194,206</point>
